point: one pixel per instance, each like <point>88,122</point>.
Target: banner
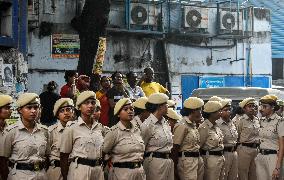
<point>65,46</point>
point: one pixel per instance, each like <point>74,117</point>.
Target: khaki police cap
<point>226,102</point>
<point>140,103</point>
<point>5,99</point>
<point>268,99</point>
<point>193,103</point>
<point>158,98</point>
<point>215,98</point>
<point>27,98</point>
<point>212,106</point>
<point>60,103</point>
<point>246,101</point>
<point>171,103</point>
<point>173,114</point>
<point>98,103</point>
<point>84,96</point>
<point>120,104</point>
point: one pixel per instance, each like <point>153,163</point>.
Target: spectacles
<point>65,109</point>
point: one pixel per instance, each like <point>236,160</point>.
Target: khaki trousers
<point>27,175</point>
<point>190,168</point>
<point>246,164</point>
<point>126,174</point>
<point>230,168</point>
<point>54,173</point>
<point>83,172</point>
<point>159,169</point>
<point>265,164</point>
<point>213,167</point>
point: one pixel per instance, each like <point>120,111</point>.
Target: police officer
<point>269,160</point>
<point>188,162</point>
<point>5,113</point>
<point>82,141</point>
<point>124,145</point>
<point>172,118</point>
<point>248,138</point>
<point>64,111</point>
<point>157,137</point>
<point>26,143</point>
<point>211,141</point>
<point>140,111</point>
<point>229,130</point>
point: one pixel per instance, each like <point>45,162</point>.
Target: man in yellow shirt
<point>149,87</point>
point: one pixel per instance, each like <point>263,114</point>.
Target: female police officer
<point>158,140</point>
<point>124,144</point>
<point>26,142</point>
<point>248,138</point>
<point>64,111</point>
<point>5,113</point>
<point>188,162</point>
<point>269,160</point>
<point>211,141</point>
<point>82,140</point>
<point>140,111</point>
<point>230,169</point>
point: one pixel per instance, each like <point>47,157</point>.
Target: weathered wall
<point>126,52</point>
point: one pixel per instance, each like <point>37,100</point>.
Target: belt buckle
<point>36,166</point>
<point>167,156</point>
<point>97,162</point>
<point>136,165</point>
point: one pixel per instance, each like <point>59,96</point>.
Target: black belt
<point>267,151</point>
<point>55,163</point>
<point>158,155</point>
<point>89,162</point>
<point>30,167</point>
<point>251,145</point>
<point>214,153</point>
<point>189,154</point>
<point>129,165</point>
<point>230,148</point>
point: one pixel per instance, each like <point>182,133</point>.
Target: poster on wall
<point>65,46</point>
<point>7,74</point>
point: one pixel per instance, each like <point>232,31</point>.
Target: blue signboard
<point>207,82</point>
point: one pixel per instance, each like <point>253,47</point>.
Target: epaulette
<point>10,127</point>
<point>113,127</point>
<point>42,126</point>
<point>70,123</point>
<point>52,127</point>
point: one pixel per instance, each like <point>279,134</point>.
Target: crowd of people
<point>139,135</point>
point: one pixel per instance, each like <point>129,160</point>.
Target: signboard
<point>178,99</point>
<point>208,82</point>
<point>65,46</point>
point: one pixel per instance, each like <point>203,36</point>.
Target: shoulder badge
<point>52,127</point>
<point>10,127</point>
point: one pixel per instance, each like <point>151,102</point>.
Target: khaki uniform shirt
<point>157,135</point>
<point>79,140</point>
<point>229,131</point>
<point>25,147</point>
<point>248,130</point>
<point>2,140</point>
<point>55,132</point>
<point>124,145</point>
<point>136,121</point>
<point>211,136</point>
<point>186,135</point>
<point>270,131</point>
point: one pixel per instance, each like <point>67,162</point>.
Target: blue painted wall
<point>189,82</point>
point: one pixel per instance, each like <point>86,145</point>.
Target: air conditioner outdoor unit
<point>229,21</point>
<point>143,14</point>
<point>195,17</point>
